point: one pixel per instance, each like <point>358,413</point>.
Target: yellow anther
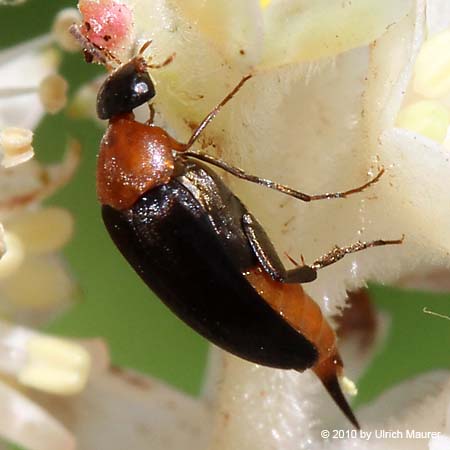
<point>432,69</point>
<point>426,117</point>
<point>13,257</point>
<point>264,3</point>
<point>41,283</point>
<point>16,146</point>
<point>83,102</point>
<point>53,93</point>
<point>45,230</point>
<point>55,365</point>
<point>61,25</point>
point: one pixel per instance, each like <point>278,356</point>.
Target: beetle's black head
<point>125,89</point>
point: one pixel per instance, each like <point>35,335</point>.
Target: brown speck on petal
<point>131,378</point>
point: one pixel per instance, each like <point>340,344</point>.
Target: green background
<point>115,304</point>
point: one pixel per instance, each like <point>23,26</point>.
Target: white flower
<point>332,98</point>
<point>121,409</point>
<point>35,283</point>
<point>46,404</point>
<point>46,364</point>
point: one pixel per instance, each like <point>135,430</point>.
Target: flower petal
<point>438,16</point>
<point>22,349</point>
<point>44,230</point>
<point>23,69</point>
<point>26,424</point>
<point>408,397</point>
<point>28,183</point>
<point>263,408</point>
<point>419,173</point>
<point>41,289</point>
<point>305,30</point>
<point>121,409</point>
<point>234,27</point>
<point>15,146</point>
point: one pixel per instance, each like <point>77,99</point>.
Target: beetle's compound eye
<point>125,89</point>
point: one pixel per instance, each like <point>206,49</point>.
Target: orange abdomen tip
<point>303,314</point>
<point>329,373</point>
<point>297,308</point>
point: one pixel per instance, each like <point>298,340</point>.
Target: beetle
<point>195,244</point>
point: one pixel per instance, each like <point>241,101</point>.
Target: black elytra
<point>186,241</point>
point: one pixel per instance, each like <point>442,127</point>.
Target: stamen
<point>42,284</point>
<point>11,2</point>
<point>61,26</point>
<point>55,366</point>
<point>13,256</point>
<point>33,428</point>
<point>432,69</point>
<point>17,91</point>
<point>43,231</point>
<point>426,117</point>
<point>15,143</point>
<point>53,93</point>
<point>45,362</point>
<point>19,50</point>
<point>84,102</point>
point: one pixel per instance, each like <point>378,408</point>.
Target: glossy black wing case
<point>191,251</point>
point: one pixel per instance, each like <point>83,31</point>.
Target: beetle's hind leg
<point>333,256</point>
<point>271,263</point>
<point>337,253</point>
<point>239,173</point>
<point>268,257</point>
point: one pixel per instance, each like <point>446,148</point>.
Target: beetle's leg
<point>239,173</point>
<point>152,114</point>
<point>337,253</point>
<point>198,131</point>
<point>268,257</point>
<point>271,263</point>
